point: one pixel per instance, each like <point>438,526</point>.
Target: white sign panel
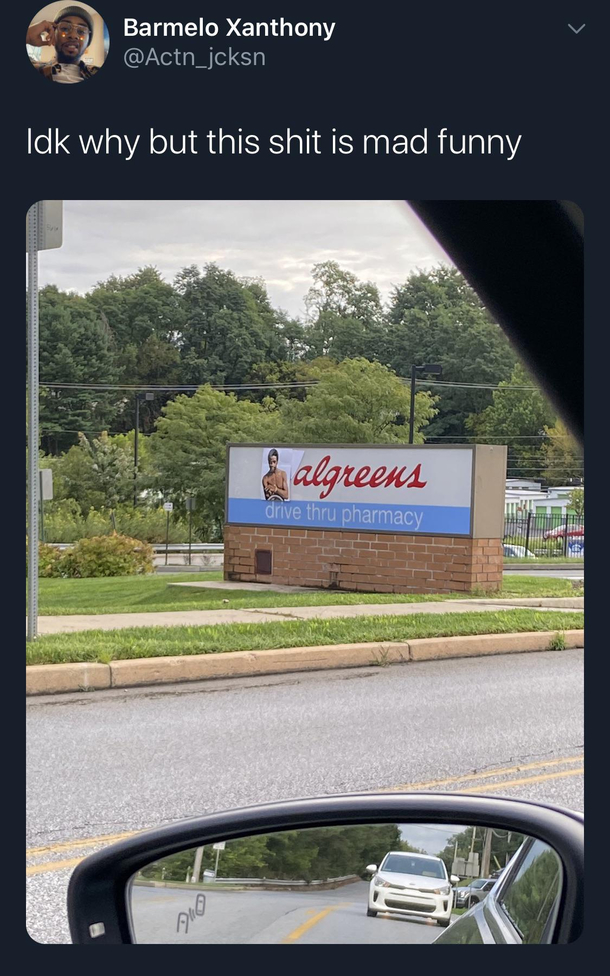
<point>389,488</point>
<point>168,506</point>
<point>50,225</point>
<point>46,484</point>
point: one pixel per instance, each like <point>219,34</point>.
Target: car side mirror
<point>454,879</point>
<point>292,872</point>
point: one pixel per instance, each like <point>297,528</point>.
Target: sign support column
<point>33,425</point>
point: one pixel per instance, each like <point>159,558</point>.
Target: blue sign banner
<point>427,519</point>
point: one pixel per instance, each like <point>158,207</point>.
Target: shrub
<point>49,561</point>
<point>108,555</point>
<point>65,522</point>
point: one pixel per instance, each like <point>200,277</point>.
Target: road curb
<point>554,602</point>
<point>50,679</point>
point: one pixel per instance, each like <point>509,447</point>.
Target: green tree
<point>144,315</point>
<point>188,449</point>
<point>344,314</point>
<point>97,472</point>
<point>436,317</point>
<point>577,502</point>
<point>517,417</point>
<point>111,466</point>
<point>562,456</point>
<point>75,348</point>
<point>357,402</point>
<point>229,326</point>
<point>138,306</point>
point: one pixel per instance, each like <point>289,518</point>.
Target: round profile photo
<point>67,43</point>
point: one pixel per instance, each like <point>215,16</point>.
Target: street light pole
<point>436,369</point>
<point>33,427</point>
<point>43,231</point>
<point>139,396</point>
<point>412,407</point>
<point>135,452</point>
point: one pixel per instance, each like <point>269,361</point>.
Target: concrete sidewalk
<point>202,618</point>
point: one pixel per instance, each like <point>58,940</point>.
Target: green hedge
<point>108,555</point>
<point>64,522</point>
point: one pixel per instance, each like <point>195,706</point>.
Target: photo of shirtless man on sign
<point>275,482</point>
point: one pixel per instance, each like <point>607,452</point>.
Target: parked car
<point>574,532</point>
<point>411,884</point>
<point>522,907</point>
<point>473,893</point>
<point>519,552</point>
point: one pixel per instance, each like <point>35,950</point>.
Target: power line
<point>226,386</point>
<point>469,386</point>
<point>263,386</point>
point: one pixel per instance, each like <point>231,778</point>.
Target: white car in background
<point>412,884</point>
<point>518,552</point>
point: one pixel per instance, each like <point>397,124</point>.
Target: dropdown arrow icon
<point>577,30</point>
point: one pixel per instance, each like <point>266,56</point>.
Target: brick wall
<point>376,562</point>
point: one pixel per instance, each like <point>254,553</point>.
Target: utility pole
<point>197,865</point>
<point>43,231</point>
<point>139,396</point>
<point>436,370</point>
<point>486,858</point>
<point>412,407</point>
<point>33,426</point>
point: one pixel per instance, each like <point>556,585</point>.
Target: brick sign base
<point>372,562</point>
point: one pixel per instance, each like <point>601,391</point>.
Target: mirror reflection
<point>374,883</point>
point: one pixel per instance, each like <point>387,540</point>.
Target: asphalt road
<point>271,918</point>
<point>108,763</point>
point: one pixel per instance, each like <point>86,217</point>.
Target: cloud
<point>279,241</point>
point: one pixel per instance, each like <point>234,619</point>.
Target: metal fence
<point>550,535</point>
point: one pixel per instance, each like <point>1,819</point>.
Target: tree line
<point>339,371</point>
<point>316,854</point>
<point>210,326</point>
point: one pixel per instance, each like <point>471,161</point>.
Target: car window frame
<point>493,906</point>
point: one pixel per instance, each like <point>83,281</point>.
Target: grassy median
<point>142,594</point>
<point>140,642</point>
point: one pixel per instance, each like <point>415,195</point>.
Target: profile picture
<point>67,43</point>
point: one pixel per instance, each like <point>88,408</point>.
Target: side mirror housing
<point>371,868</point>
<point>454,879</point>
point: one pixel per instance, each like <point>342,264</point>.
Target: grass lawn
<point>138,642</point>
<point>139,594</point>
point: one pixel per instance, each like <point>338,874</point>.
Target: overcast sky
<point>431,838</point>
<point>279,241</point>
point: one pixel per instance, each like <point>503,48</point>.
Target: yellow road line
<point>70,845</point>
<point>302,929</point>
<point>52,866</point>
<point>526,779</point>
<point>467,777</point>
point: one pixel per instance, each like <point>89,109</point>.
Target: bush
<point>112,555</point>
<point>49,559</point>
<point>64,522</point>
